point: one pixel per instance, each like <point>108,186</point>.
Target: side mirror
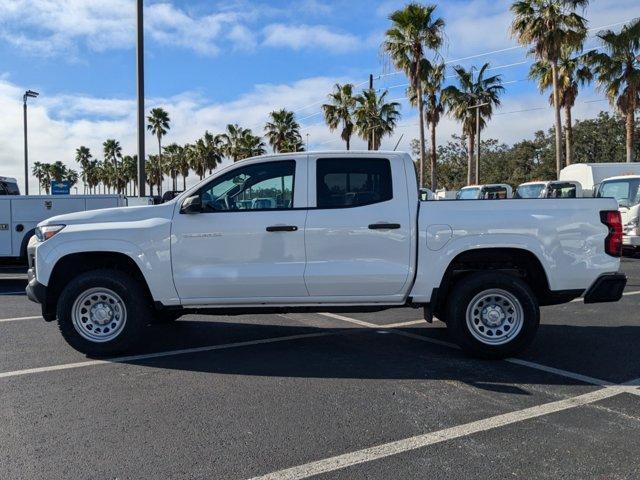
<point>191,205</point>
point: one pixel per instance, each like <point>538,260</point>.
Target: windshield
<point>8,188</point>
<point>468,194</point>
<point>529,191</point>
<point>626,192</point>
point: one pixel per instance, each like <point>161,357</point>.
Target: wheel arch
<point>519,262</point>
<point>73,264</point>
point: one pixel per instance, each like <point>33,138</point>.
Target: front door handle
<point>282,228</point>
<point>384,226</point>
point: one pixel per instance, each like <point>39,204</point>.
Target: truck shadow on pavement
<point>601,352</point>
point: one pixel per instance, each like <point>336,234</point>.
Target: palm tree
<point>375,117</point>
<point>172,155</point>
<point>195,163</point>
<point>57,171</point>
<point>432,80</point>
<point>617,72</point>
<point>473,97</point>
<point>184,165</point>
<point>572,72</point>
<point>251,145</point>
<point>130,172</point>
<point>155,176</point>
<point>415,30</point>
<point>158,125</point>
<point>282,131</point>
<point>71,176</point>
<point>112,152</point>
<point>38,171</point>
<point>549,27</point>
<point>339,111</point>
<point>83,157</point>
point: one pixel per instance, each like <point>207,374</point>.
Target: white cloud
<point>299,37</point>
<point>59,26</point>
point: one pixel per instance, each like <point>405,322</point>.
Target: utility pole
<point>370,81</point>
<point>27,94</point>
<point>142,178</point>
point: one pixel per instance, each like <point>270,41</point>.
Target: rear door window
<point>352,182</point>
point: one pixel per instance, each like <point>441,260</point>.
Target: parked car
<point>494,191</point>
<point>626,191</point>
<point>549,189</point>
<point>19,215</point>
<point>353,234</point>
<point>589,175</point>
<point>9,186</point>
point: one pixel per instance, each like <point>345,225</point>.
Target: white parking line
<point>17,319</point>
<point>412,443</point>
<point>133,358</point>
<point>525,363</point>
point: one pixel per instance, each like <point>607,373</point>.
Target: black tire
<point>137,307</point>
<point>472,288</point>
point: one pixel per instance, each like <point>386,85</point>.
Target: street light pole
<point>27,94</point>
<point>142,178</point>
<point>477,162</point>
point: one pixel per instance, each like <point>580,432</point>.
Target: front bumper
<point>36,292</point>
<point>631,241</point>
<point>606,288</point>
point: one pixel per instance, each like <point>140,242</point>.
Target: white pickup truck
<point>341,231</point>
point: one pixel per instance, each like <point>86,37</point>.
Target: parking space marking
<point>525,363</point>
<point>17,319</point>
<point>404,324</point>
<point>168,353</point>
<point>419,441</point>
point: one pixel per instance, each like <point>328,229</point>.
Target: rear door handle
<point>282,228</point>
<point>384,226</point>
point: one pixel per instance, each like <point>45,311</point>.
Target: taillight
<point>613,242</point>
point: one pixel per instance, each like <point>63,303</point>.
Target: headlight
<point>47,231</point>
<point>631,228</point>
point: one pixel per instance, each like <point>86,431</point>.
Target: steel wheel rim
<point>99,315</point>
<point>495,317</point>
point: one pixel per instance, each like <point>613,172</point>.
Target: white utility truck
<point>549,189</point>
<point>617,180</point>
<point>19,215</point>
<point>345,231</point>
<point>493,191</point>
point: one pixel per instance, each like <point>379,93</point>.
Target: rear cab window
<point>352,182</point>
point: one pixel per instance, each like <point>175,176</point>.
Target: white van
<point>591,174</point>
<point>19,215</point>
<point>9,186</point>
<point>492,191</point>
<point>549,189</point>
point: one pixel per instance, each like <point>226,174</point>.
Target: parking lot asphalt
<point>370,395</point>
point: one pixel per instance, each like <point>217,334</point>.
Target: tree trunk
<point>470,154</point>
<point>568,135</point>
<point>556,106</point>
<point>434,176</point>
<point>631,124</point>
<point>184,182</point>
<point>348,142</point>
<point>421,121</point>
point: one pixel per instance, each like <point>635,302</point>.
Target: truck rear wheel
<point>492,315</point>
<point>103,312</point>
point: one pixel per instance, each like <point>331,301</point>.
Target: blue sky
<point>210,63</point>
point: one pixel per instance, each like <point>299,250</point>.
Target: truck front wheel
<point>492,315</point>
<point>103,312</point>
